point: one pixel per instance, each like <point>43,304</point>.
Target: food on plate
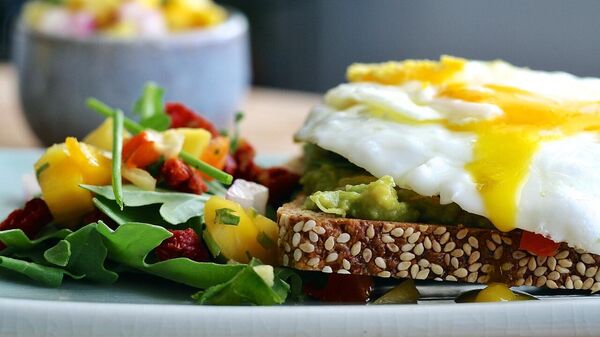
<point>451,170</point>
<point>152,195</point>
<point>121,18</point>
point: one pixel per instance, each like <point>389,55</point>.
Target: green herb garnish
<point>117,181</point>
<point>265,241</point>
<point>151,109</point>
<point>41,169</point>
<point>225,216</point>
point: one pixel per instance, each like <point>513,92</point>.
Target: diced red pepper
<point>31,219</point>
<point>140,151</point>
<point>181,177</point>
<point>343,289</point>
<point>537,244</point>
<point>184,117</point>
<point>183,243</point>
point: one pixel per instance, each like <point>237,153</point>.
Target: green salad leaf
<point>45,275</point>
<point>176,207</point>
<point>146,214</point>
<point>150,108</point>
<point>59,254</point>
<point>16,240</point>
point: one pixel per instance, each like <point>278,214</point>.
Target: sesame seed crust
<point>320,242</point>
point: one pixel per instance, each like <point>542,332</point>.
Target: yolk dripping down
<point>506,145</point>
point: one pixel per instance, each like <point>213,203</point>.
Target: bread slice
<point>316,241</point>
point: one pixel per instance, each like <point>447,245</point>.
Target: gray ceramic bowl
<point>207,70</point>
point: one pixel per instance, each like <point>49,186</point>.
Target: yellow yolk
<point>505,145</point>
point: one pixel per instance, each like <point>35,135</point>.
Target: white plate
<point>143,305</point>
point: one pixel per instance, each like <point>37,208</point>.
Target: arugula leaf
<point>59,254</point>
<point>48,276</point>
<point>225,216</point>
<point>146,214</point>
<point>246,287</point>
<point>176,207</point>
<point>117,181</point>
<point>131,243</point>
<point>15,239</point>
<point>293,279</point>
<point>150,108</point>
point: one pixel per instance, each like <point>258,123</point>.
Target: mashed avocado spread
<point>336,186</point>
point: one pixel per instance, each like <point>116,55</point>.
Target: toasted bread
<point>315,241</point>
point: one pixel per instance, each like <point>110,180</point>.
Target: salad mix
<point>121,18</point>
<point>150,196</point>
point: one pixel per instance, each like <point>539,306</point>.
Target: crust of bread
<point>314,241</point>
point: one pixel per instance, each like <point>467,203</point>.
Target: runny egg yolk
<point>506,145</point>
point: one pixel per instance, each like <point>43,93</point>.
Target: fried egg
<point>518,146</point>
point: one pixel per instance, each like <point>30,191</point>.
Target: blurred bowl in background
<point>208,70</point>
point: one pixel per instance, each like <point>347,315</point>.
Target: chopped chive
<point>117,183</point>
<point>41,169</point>
<point>225,216</point>
<point>203,167</point>
<point>109,112</point>
<point>265,241</point>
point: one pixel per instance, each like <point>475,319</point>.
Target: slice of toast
<point>316,241</point>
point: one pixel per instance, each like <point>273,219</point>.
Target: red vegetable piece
<point>343,289</point>
<point>31,219</point>
<point>139,151</point>
<point>183,243</point>
<point>184,117</point>
<point>179,176</point>
<point>537,244</point>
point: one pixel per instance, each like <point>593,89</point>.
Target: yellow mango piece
<point>62,169</point>
<point>267,237</point>
<point>102,136</point>
<point>195,141</point>
<point>237,242</point>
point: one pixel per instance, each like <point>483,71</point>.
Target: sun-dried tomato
<point>179,176</point>
<point>343,289</point>
<point>183,243</point>
<point>184,117</point>
<point>31,219</point>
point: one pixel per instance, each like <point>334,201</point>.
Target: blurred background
<point>306,45</point>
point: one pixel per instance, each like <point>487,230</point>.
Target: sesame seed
<point>562,270</point>
<point>355,249</point>
<point>551,262</point>
<point>475,267</point>
<point>580,267</point>
<point>440,230</point>
<point>498,253</point>
<point>423,263</point>
<point>490,245</point>
<point>529,281</point>
<point>520,282</point>
<point>408,232</point>
<point>407,247</point>
<point>451,278</point>
<point>414,237</point>
<point>331,257</point>
<point>380,262</point>
<point>591,272</point>
<point>422,275</point>
<point>487,268</point>
<point>419,249</point>
<point>367,255</point>
<point>507,240</point>
<point>449,247</point>
<point>384,273</point>
<point>579,251</point>
<point>523,262</point>
<point>474,257</point>
<point>329,243</point>
<point>457,253</point>
<point>567,263</point>
<point>595,288</point>
<point>346,264</point>
<point>454,262</point>
<point>587,284</point>
<point>312,236</point>
<point>402,274</point>
<point>472,278</point>
<point>447,259</point>
<point>286,260</point>
<point>539,271</point>
<point>427,243</point>
<point>282,231</point>
<point>575,277</point>
<point>297,254</point>
<point>386,238</point>
<point>587,259</point>
<point>462,233</point>
<point>554,275</point>
<point>438,279</point>
<point>551,284</point>
<point>423,228</point>
<point>392,247</point>
<point>437,269</point>
<point>406,256</point>
<point>577,284</point>
<point>313,262</point>
<point>507,266</point>
<point>414,270</point>
<point>307,247</point>
<point>370,232</point>
<point>287,247</point>
<point>473,242</point>
<point>531,264</point>
<point>496,238</point>
<point>327,269</point>
<point>467,248</point>
<point>397,232</point>
<point>388,227</point>
<point>285,221</point>
<point>561,255</point>
<point>460,273</point>
<point>298,226</point>
<point>319,230</point>
<point>445,238</point>
<point>521,271</point>
<point>343,271</point>
<point>541,260</point>
<point>597,277</point>
<point>436,246</point>
<point>541,281</point>
<point>403,265</point>
<point>569,283</point>
<point>309,225</point>
<point>343,238</point>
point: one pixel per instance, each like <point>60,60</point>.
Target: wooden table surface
<point>271,116</point>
